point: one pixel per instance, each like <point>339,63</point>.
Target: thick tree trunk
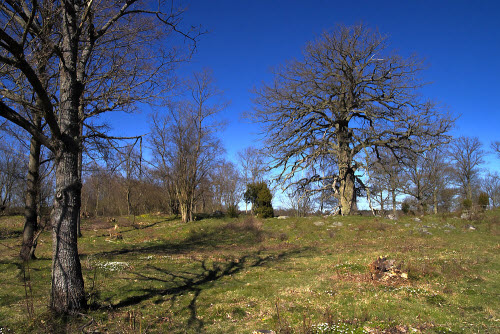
<point>185,214</point>
<point>347,193</point>
<point>30,211</point>
<point>67,281</point>
<point>68,293</point>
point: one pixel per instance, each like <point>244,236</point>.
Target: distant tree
<point>490,184</point>
<point>387,178</point>
<point>12,176</point>
<point>467,155</point>
<point>483,200</point>
<point>427,178</point>
<point>416,177</point>
<point>253,165</point>
<point>259,195</point>
<point>131,165</point>
<point>346,94</point>
<point>300,201</point>
<point>227,184</point>
<point>495,146</point>
<point>184,142</point>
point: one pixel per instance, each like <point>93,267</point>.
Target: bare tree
<point>491,185</point>
<point>253,166</point>
<point>495,146</point>
<point>227,184</point>
<point>131,166</point>
<point>183,140</point>
<point>81,37</point>
<point>467,155</point>
<point>347,93</point>
<point>387,179</point>
<point>12,176</point>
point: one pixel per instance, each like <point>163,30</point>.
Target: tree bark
<point>394,203</point>
<point>31,204</point>
<point>346,190</point>
<point>346,175</point>
<point>68,293</point>
<point>67,281</point>
<point>185,211</point>
<point>435,199</point>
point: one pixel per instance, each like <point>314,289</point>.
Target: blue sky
<point>460,41</point>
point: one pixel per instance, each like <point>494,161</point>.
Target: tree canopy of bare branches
<point>467,155</point>
<point>67,61</point>
<point>184,143</point>
<point>347,93</point>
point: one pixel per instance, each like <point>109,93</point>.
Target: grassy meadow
<point>155,274</point>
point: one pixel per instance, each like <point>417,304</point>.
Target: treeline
<point>445,179</point>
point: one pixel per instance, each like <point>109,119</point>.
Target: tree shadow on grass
<point>208,238</point>
<point>176,284</point>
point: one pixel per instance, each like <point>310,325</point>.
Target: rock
<point>450,227</point>
<point>465,215</point>
<point>283,217</point>
<point>470,227</point>
<point>336,224</point>
<point>392,217</point>
<point>319,223</point>
<point>424,231</point>
<point>416,219</point>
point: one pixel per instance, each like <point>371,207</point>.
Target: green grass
<point>307,275</point>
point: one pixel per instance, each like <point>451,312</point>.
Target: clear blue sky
<point>460,41</point>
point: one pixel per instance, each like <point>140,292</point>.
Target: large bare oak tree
<point>347,93</point>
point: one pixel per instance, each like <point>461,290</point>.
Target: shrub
<point>466,204</point>
<point>264,212</point>
<point>405,207</point>
<point>261,198</point>
<point>232,211</point>
<point>483,201</point>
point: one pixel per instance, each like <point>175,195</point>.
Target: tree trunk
<point>184,208</point>
<point>394,203</point>
<point>129,203</point>
<point>97,201</point>
<point>30,211</point>
<point>435,198</point>
<point>67,281</point>
<point>347,193</point>
<point>80,168</point>
<point>68,293</point>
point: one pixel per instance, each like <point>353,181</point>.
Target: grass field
<point>296,275</point>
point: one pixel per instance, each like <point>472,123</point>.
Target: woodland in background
<point>437,181</point>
